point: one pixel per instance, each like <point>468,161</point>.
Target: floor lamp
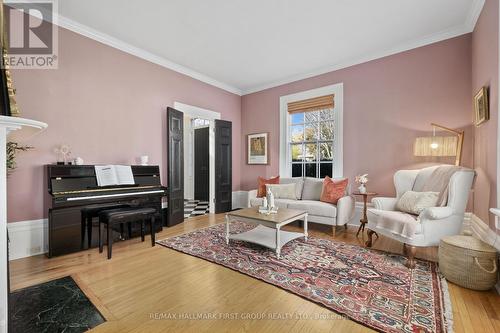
<point>441,145</point>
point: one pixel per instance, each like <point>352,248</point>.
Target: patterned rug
<point>370,287</point>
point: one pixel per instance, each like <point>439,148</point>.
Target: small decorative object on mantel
<point>257,148</point>
<point>362,180</point>
<point>144,159</point>
<point>63,153</point>
<point>12,149</point>
<point>481,107</point>
<point>78,161</point>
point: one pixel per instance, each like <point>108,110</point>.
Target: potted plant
<point>12,149</point>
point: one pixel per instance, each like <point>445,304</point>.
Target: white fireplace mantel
<point>11,129</point>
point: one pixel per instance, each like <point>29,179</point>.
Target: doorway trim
<point>197,112</point>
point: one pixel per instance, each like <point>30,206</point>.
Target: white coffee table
<point>268,232</point>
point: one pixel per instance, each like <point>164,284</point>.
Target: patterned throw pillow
<point>261,190</point>
<point>283,191</point>
<point>333,190</point>
<point>415,202</point>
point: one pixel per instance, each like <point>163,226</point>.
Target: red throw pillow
<point>333,190</point>
<point>261,191</point>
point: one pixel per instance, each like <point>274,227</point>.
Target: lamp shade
<point>436,146</point>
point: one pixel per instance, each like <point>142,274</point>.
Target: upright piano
<point>73,187</point>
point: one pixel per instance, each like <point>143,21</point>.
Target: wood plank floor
<point>154,289</point>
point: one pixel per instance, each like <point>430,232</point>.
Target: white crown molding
<point>455,32</point>
<point>466,27</point>
<point>81,29</point>
<point>475,11</point>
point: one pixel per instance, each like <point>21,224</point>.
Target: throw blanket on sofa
<point>399,223</point>
<point>439,180</point>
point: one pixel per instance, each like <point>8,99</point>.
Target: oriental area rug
<point>371,287</point>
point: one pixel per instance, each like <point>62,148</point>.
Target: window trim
<point>338,160</point>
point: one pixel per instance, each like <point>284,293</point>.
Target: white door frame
<point>197,112</point>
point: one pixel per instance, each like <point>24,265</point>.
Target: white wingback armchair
<point>433,223</point>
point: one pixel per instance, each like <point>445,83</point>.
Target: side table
<point>364,218</point>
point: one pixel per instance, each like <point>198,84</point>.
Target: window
<point>311,133</point>
<point>311,143</point>
<point>198,122</point>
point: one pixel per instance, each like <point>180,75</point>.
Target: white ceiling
<point>246,46</point>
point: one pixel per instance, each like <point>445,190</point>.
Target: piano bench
<point>87,216</point>
<point>112,217</point>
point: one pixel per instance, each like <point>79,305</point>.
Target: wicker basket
<point>468,262</point>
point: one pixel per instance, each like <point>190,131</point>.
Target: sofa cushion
<point>333,190</point>
<point>314,207</point>
<point>299,185</point>
<point>261,190</point>
<point>280,203</point>
<point>282,191</point>
<point>312,188</point>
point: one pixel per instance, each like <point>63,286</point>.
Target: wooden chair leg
<point>122,231</point>
<point>410,263</point>
<point>334,231</point>
<point>89,232</point>
<point>369,241</point>
<point>100,237</point>
<point>345,226</point>
<point>110,240</point>
<point>152,222</point>
<point>405,251</point>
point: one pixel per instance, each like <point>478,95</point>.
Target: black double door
<point>223,166</point>
<point>201,164</point>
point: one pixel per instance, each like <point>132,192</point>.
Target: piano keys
<point>74,187</point>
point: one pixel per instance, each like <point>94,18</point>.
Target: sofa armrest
<point>436,213</point>
<point>345,209</point>
<point>252,194</point>
<point>384,203</point>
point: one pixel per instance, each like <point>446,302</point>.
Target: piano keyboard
<point>113,195</point>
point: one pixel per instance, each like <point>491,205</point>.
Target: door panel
<point>223,166</point>
<point>175,135</point>
<point>201,164</point>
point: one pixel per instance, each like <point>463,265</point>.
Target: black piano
<point>73,187</point>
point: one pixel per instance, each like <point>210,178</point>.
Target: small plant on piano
<point>12,149</point>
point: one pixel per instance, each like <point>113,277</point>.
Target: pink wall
<point>485,73</point>
<point>110,107</point>
<point>387,103</point>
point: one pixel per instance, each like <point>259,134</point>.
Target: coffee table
<point>268,232</point>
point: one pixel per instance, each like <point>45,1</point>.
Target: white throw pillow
<point>415,202</point>
<point>282,191</point>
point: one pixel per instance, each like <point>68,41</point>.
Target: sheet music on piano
<point>108,175</point>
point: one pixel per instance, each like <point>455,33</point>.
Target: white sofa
<point>308,192</point>
<point>433,223</point>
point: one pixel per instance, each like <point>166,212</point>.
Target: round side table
<point>364,218</point>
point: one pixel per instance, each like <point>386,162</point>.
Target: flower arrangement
<point>362,180</point>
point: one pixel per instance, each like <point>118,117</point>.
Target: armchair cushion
<point>398,223</point>
<point>415,202</point>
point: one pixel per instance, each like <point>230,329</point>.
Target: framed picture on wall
<point>257,148</point>
<point>481,107</point>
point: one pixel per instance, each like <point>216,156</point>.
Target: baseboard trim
<point>28,238</point>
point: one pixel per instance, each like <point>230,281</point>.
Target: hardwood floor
<point>154,289</point>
